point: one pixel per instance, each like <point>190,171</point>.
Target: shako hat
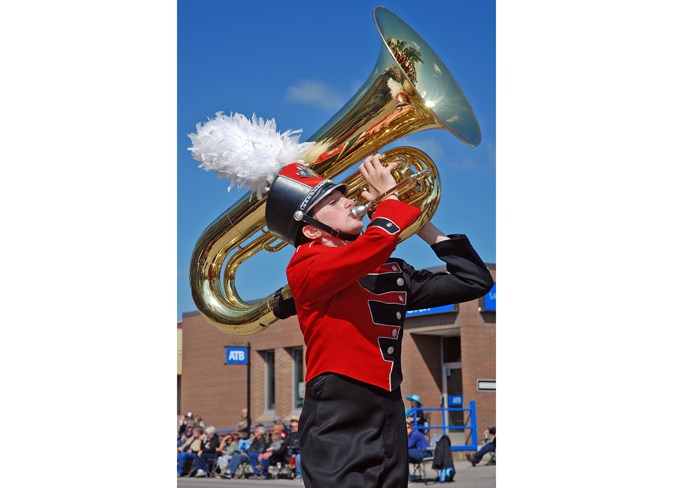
<point>253,155</point>
<point>294,192</point>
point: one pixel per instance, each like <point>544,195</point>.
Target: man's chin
<point>357,230</point>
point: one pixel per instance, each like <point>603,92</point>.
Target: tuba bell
<point>409,90</point>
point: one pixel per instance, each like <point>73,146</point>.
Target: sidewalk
<point>481,476</point>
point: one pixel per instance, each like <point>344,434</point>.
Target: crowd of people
<point>198,445</point>
<point>279,445</point>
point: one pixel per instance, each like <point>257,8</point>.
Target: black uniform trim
<point>383,313</point>
<point>380,284</point>
<point>386,279</point>
<point>386,224</point>
<point>385,343</point>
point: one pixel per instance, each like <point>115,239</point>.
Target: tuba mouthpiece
<point>359,211</point>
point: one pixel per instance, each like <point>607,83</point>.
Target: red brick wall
<point>478,355</point>
<point>218,392</point>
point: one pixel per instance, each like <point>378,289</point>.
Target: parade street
<point>481,476</point>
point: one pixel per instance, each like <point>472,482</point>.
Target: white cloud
<point>315,93</point>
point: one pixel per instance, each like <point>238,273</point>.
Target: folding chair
<point>418,467</point>
<point>244,469</point>
<point>418,470</point>
<point>213,468</point>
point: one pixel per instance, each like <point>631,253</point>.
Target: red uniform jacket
<point>351,300</point>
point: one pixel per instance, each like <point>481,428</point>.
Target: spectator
<point>226,450</point>
<point>258,445</point>
<point>189,449</point>
<point>242,427</point>
<point>186,428</point>
<point>278,426</point>
<point>256,449</point>
<point>488,447</point>
<point>411,412</point>
<point>199,421</point>
<point>274,453</point>
<point>208,452</point>
<point>419,447</point>
<point>293,445</point>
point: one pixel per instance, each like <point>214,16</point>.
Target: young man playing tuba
<point>351,298</point>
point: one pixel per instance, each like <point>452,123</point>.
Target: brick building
<point>444,352</point>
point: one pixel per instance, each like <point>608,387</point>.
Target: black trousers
<point>353,435</point>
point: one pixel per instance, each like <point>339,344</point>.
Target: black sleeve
<point>466,278</point>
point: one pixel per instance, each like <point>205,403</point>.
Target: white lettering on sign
<point>235,355</point>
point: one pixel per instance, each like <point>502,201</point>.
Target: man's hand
<point>378,177</point>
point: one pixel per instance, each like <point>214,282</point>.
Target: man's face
<point>334,210</point>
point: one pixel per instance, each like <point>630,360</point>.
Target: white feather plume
<point>248,153</point>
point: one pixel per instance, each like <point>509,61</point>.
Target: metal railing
<point>471,424</point>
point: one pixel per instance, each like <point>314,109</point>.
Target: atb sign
<point>455,400</point>
<point>236,355</point>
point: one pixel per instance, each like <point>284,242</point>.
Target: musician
<point>351,297</point>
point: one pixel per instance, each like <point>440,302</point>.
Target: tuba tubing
<point>409,90</point>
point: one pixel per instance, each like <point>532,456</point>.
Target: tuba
<point>409,90</point>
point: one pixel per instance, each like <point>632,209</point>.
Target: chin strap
<point>333,232</point>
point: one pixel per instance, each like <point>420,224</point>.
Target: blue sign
<point>236,355</point>
<point>455,400</point>
<point>490,299</point>
<point>428,311</point>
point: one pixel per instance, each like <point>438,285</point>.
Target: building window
<point>453,372</point>
<point>298,376</point>
<point>269,358</point>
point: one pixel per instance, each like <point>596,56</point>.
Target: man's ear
<point>311,232</point>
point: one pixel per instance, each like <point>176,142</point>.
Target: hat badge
<point>306,173</point>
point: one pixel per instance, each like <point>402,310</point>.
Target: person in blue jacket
<point>419,447</point>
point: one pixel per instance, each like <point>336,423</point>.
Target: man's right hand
<point>379,178</point>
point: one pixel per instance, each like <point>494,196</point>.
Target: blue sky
<point>299,62</point>
<point>585,194</point>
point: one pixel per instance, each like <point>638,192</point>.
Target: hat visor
<point>340,187</point>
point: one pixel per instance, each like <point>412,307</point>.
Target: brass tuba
<point>409,90</point>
